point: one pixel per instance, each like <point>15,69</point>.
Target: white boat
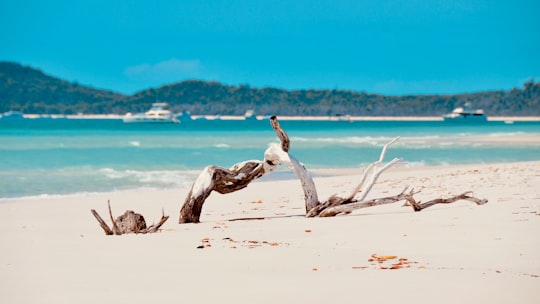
<point>12,115</point>
<point>466,114</point>
<point>250,115</point>
<point>159,113</point>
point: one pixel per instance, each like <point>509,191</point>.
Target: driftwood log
<point>223,180</point>
<point>129,222</point>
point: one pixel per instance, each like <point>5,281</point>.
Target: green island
<point>30,90</point>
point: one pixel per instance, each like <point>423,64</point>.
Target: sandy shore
<point>53,250</point>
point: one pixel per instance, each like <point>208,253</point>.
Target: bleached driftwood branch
<point>337,205</point>
<point>129,222</point>
<point>308,185</point>
<point>417,206</point>
<point>222,180</point>
<point>335,201</point>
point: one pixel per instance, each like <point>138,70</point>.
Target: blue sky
<point>385,46</point>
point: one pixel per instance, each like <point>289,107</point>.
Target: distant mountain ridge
<point>32,91</point>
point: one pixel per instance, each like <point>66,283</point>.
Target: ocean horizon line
<point>285,117</point>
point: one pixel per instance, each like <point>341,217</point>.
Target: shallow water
<point>64,156</point>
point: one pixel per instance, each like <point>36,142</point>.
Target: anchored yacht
<point>159,113</point>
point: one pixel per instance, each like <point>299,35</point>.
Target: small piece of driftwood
<point>129,222</point>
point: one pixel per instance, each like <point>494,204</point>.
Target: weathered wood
<point>418,206</point>
<point>334,200</point>
<point>155,228</point>
<point>369,169</point>
<point>350,206</point>
<point>222,180</point>
<point>354,205</point>
<point>129,222</point>
<point>104,226</point>
<point>115,228</point>
<point>283,137</point>
<point>311,198</point>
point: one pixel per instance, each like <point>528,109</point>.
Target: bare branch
<point>283,137</point>
<point>370,168</point>
<point>348,208</point>
<point>155,228</point>
<point>376,175</point>
<point>115,228</point>
<point>408,196</point>
<point>102,223</point>
<point>418,206</point>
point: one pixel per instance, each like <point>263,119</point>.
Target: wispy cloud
<point>166,71</point>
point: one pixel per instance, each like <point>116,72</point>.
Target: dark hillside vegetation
<point>32,91</point>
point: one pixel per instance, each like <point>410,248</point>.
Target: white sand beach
<point>53,250</point>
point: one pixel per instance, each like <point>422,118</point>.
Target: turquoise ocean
<point>48,157</point>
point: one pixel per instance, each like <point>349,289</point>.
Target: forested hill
<point>32,91</point>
